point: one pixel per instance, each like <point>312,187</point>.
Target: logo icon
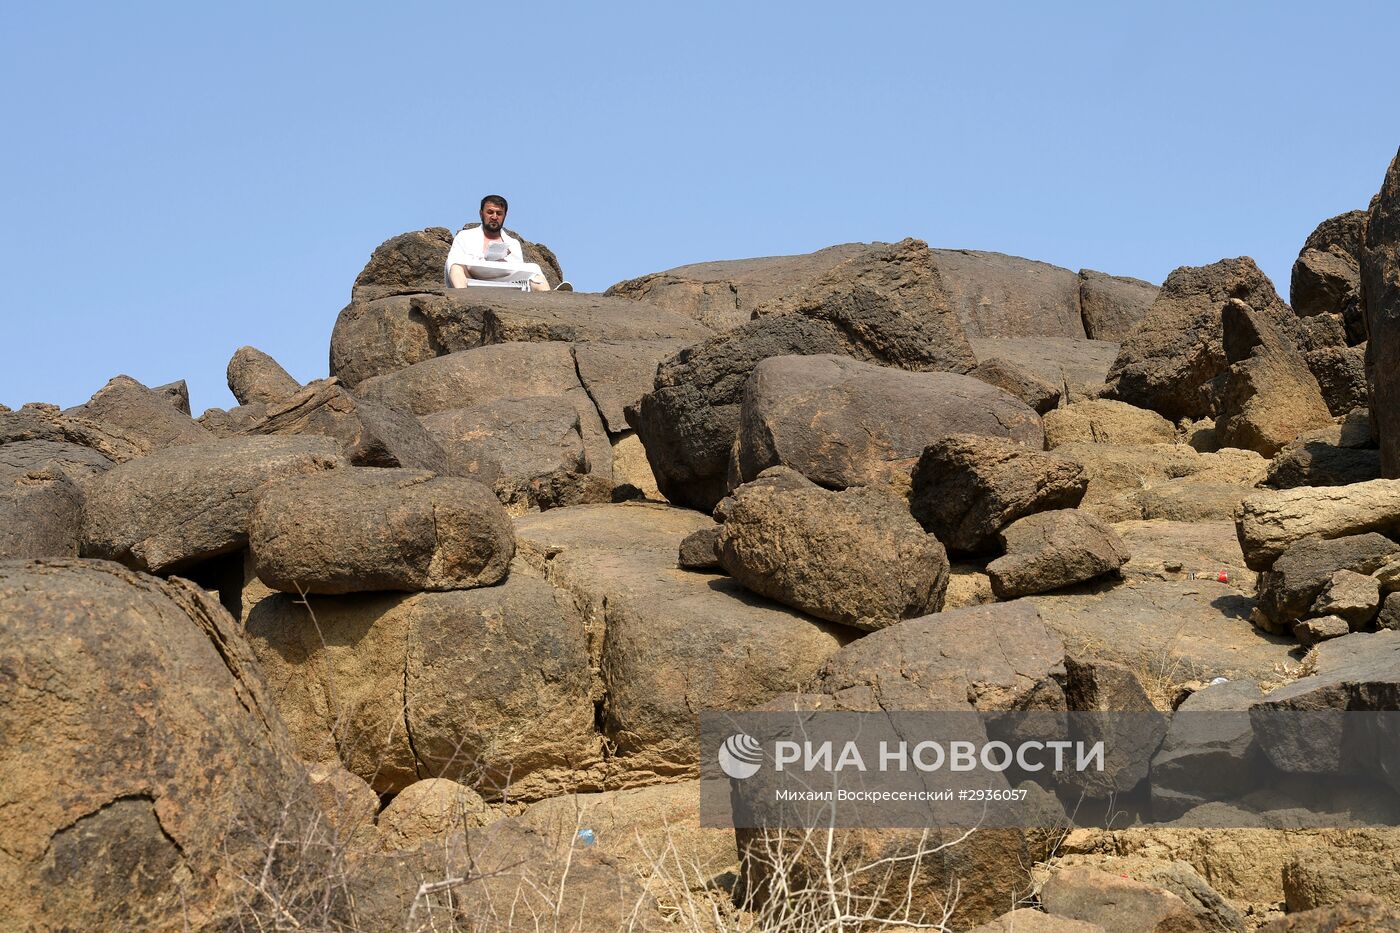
<point>740,756</point>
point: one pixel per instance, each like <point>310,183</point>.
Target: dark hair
<point>494,199</point>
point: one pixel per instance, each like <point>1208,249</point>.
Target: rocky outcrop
<point>253,376</point>
<point>1270,396</point>
<point>140,413</point>
<point>509,316</point>
<point>184,505</point>
<point>1174,361</point>
<point>474,377</point>
<point>489,687</point>
<point>841,422</point>
<point>1116,902</point>
<point>812,549</point>
<point>41,514</point>
<point>1318,463</point>
<point>617,373</point>
<point>1209,752</point>
<point>1019,382</point>
<point>1125,482</point>
<point>996,295</point>
<point>885,310</point>
<point>1052,550</point>
<point>967,488</point>
<point>358,530</point>
<point>146,772</point>
<point>425,811</point>
<point>1112,306</point>
<point>1380,285</point>
<point>374,338</point>
<point>1295,581</point>
<point>1341,375</point>
<point>1074,366</point>
<point>667,641</point>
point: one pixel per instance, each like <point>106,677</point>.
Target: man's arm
<point>457,276</point>
<point>465,250</point>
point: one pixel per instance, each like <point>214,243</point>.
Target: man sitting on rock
<point>487,254</point>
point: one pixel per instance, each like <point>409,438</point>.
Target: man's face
<point>492,217</point>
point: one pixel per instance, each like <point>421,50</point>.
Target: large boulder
<point>141,412</point>
<point>370,434</point>
<point>490,687</point>
<point>1341,375</point>
<point>414,262</point>
<point>1104,421</point>
<point>72,460</point>
<point>474,377</point>
<point>841,422</point>
<point>1270,396</point>
<point>1019,382</point>
<point>253,376</point>
<point>724,294</point>
<point>1209,752</point>
<point>426,811</point>
<point>1380,285</point>
<point>1052,550</point>
<point>1269,522</point>
<point>1307,462</point>
<point>1112,306</point>
<point>996,295</point>
<point>1120,476</point>
<point>1327,274</point>
<point>1318,724</point>
<point>183,505</point>
<point>145,775</point>
<point>884,307</point>
<point>372,338</point>
<point>41,514</point>
<point>353,530</point>
<point>1117,902</point>
<point>855,557</point>
<point>966,488</point>
<point>1173,361</point>
<point>667,641</point>
<point>529,450</point>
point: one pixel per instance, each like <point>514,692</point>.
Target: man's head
<point>493,213</point>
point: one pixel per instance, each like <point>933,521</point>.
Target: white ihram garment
<point>469,249</point>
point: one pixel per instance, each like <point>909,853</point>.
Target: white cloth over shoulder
<point>469,249</point>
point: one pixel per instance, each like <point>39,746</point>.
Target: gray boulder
<point>145,766</point>
<point>355,530</point>
<point>1019,382</point>
<point>1341,375</point>
<point>142,413</point>
<point>1051,550</point>
<point>1270,396</point>
<point>1173,362</point>
<point>841,422</point>
<point>1131,737</point>
<point>1327,275</point>
<point>1298,577</point>
<point>1354,597</point>
<point>996,295</point>
<point>617,373</point>
<point>883,308</point>
<point>72,460</point>
<point>1074,365</point>
<point>854,557</point>
<point>369,434</point>
<point>490,686</point>
<point>473,377</point>
<point>108,441</point>
<point>967,488</point>
<point>372,338</point>
<point>41,514</point>
<point>253,376</point>
<point>180,506</point>
<point>1112,306</point>
<point>1209,753</point>
<point>699,550</point>
<point>1380,285</point>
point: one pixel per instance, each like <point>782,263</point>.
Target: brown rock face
<point>967,488</point>
<point>840,422</point>
<point>475,377</point>
<point>489,687</point>
<point>1380,284</point>
<point>141,412</point>
<point>1020,382</point>
<point>1051,550</point>
<point>145,770</point>
<point>882,307</point>
<point>41,514</point>
<point>1117,903</point>
<point>996,295</point>
<point>1104,421</point>
<point>1112,306</point>
<point>253,376</point>
<point>373,338</point>
<point>1268,523</point>
<point>425,811</point>
<point>357,530</point>
<point>1327,276</point>
<point>1270,395</point>
<point>187,504</point>
<point>1172,362</point>
<point>854,557</point>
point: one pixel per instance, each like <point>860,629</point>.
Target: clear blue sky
<point>181,179</point>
